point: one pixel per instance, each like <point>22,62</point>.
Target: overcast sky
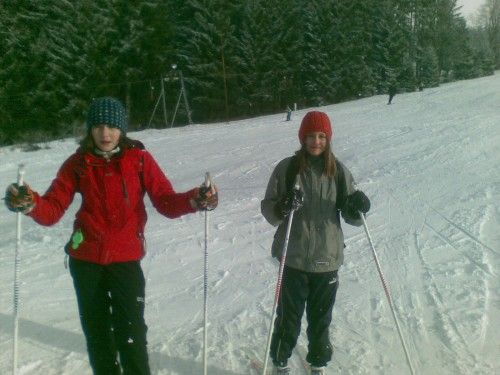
<point>469,7</point>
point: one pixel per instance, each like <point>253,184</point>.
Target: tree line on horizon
<point>236,59</point>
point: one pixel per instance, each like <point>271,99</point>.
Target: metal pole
<point>208,184</point>
<point>186,103</point>
<point>128,102</point>
<point>205,298</point>
<point>163,102</point>
<point>387,293</point>
<point>154,110</point>
<point>20,181</point>
<point>176,108</point>
<point>225,84</point>
<point>278,289</point>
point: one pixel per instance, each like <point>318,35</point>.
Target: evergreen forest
<point>174,62</point>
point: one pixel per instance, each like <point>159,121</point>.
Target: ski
<point>301,353</point>
<point>257,366</point>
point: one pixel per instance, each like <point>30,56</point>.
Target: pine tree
<point>156,54</point>
<point>265,75</point>
<point>34,70</point>
<point>315,67</point>
<point>490,21</point>
<point>354,75</point>
<point>205,55</point>
<point>389,43</point>
<point>483,55</point>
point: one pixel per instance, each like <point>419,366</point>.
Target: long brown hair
<point>330,164</point>
<point>87,144</point>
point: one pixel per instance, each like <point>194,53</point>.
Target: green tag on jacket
<point>76,239</point>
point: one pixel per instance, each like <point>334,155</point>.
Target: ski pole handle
<point>20,175</point>
<point>209,182</point>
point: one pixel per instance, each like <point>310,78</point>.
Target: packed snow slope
<point>430,164</point>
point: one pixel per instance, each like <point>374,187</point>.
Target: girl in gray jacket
<point>316,242</point>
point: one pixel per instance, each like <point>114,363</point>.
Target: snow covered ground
<point>429,162</point>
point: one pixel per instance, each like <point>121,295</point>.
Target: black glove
<point>357,202</point>
<point>292,201</point>
<point>19,198</point>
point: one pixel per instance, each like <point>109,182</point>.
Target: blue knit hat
<point>109,111</point>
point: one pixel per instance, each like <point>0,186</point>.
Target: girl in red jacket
<point>112,173</point>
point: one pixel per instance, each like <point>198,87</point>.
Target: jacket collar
<point>316,163</point>
<point>94,159</point>
<point>107,154</point>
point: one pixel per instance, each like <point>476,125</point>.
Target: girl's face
<point>105,138</point>
<point>316,143</point>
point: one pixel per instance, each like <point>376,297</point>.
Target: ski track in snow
<point>429,163</point>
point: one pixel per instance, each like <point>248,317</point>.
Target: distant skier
<point>316,243</point>
<point>393,89</point>
<point>288,113</point>
<point>112,173</point>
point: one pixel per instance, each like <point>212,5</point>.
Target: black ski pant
<point>111,305</point>
<point>314,292</point>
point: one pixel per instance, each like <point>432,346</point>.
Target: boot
<point>318,370</point>
<point>281,368</point>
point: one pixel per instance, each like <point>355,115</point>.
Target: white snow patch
<point>431,150</point>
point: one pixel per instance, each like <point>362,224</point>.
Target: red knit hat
<point>315,121</point>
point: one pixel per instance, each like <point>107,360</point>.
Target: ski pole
<point>387,293</point>
<point>20,179</point>
<point>208,185</point>
<point>278,285</point>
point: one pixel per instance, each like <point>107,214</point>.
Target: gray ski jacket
<point>316,242</point>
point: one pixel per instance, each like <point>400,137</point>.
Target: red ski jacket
<point>112,215</point>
